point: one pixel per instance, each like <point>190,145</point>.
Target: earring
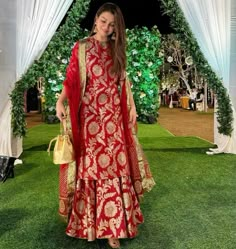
<point>113,37</point>
<point>95,29</point>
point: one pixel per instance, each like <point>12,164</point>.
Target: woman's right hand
<point>60,110</point>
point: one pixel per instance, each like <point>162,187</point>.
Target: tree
<point>180,61</point>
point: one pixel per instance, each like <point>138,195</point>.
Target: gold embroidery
<point>121,158</point>
<point>110,127</point>
<point>97,70</point>
<point>117,99</point>
<point>102,99</point>
<point>103,160</point>
<point>93,128</point>
<point>81,207</point>
<point>110,209</point>
<point>127,200</point>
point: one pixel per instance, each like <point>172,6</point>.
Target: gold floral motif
<point>86,99</point>
<point>110,209</point>
<point>117,99</point>
<point>81,207</point>
<point>127,199</point>
<point>93,128</point>
<point>121,158</point>
<point>138,187</point>
<point>104,160</point>
<point>110,127</point>
<point>87,161</point>
<point>97,70</point>
<point>102,99</point>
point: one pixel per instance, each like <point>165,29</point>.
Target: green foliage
<point>143,68</point>
<point>51,66</point>
<point>185,35</point>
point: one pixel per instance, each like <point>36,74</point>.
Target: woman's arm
<point>132,111</point>
<point>60,108</point>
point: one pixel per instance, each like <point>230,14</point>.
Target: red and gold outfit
<point>108,187</point>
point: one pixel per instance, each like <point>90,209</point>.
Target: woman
<point>109,178</point>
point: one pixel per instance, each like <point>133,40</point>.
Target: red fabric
<point>113,212</point>
<point>108,185</point>
<point>72,87</point>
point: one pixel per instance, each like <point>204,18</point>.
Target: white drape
<point>213,24</point>
<point>33,24</point>
<point>37,20</point>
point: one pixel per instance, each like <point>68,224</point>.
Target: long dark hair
<point>118,51</point>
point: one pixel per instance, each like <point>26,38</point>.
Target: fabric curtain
<point>33,24</point>
<point>213,24</point>
<point>7,72</point>
<point>38,21</point>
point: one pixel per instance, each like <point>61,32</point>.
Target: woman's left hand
<point>132,117</point>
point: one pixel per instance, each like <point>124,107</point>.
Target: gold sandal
<point>114,243</point>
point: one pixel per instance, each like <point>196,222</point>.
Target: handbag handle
<point>63,131</point>
<point>63,128</point>
<point>49,146</point>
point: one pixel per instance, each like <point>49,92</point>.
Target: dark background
<point>136,13</point>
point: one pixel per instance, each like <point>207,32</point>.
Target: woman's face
<point>105,24</point>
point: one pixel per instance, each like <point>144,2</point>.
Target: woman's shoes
<point>114,243</point>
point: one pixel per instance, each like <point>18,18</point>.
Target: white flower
<point>64,61</point>
<point>134,51</point>
<point>142,95</point>
<point>189,60</point>
<point>136,79</point>
<point>139,73</point>
<point>51,108</point>
<point>150,64</point>
<point>150,91</point>
<point>52,81</point>
<point>136,64</point>
<point>161,54</point>
<point>151,76</point>
<point>170,59</point>
<point>55,89</point>
<point>59,73</point>
<point>57,95</point>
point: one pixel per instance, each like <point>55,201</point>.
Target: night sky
<point>136,13</point>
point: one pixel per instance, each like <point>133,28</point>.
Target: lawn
<point>193,204</point>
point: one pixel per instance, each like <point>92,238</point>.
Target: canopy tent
<point>212,22</point>
<point>26,27</point>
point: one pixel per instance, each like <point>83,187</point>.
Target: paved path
<point>182,122</point>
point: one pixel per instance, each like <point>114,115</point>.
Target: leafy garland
<point>143,65</point>
<point>185,35</point>
<point>59,49</point>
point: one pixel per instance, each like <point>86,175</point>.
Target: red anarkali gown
<point>105,204</point>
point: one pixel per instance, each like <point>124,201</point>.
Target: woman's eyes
<point>112,25</point>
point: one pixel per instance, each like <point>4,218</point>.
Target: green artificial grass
<point>193,204</point>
